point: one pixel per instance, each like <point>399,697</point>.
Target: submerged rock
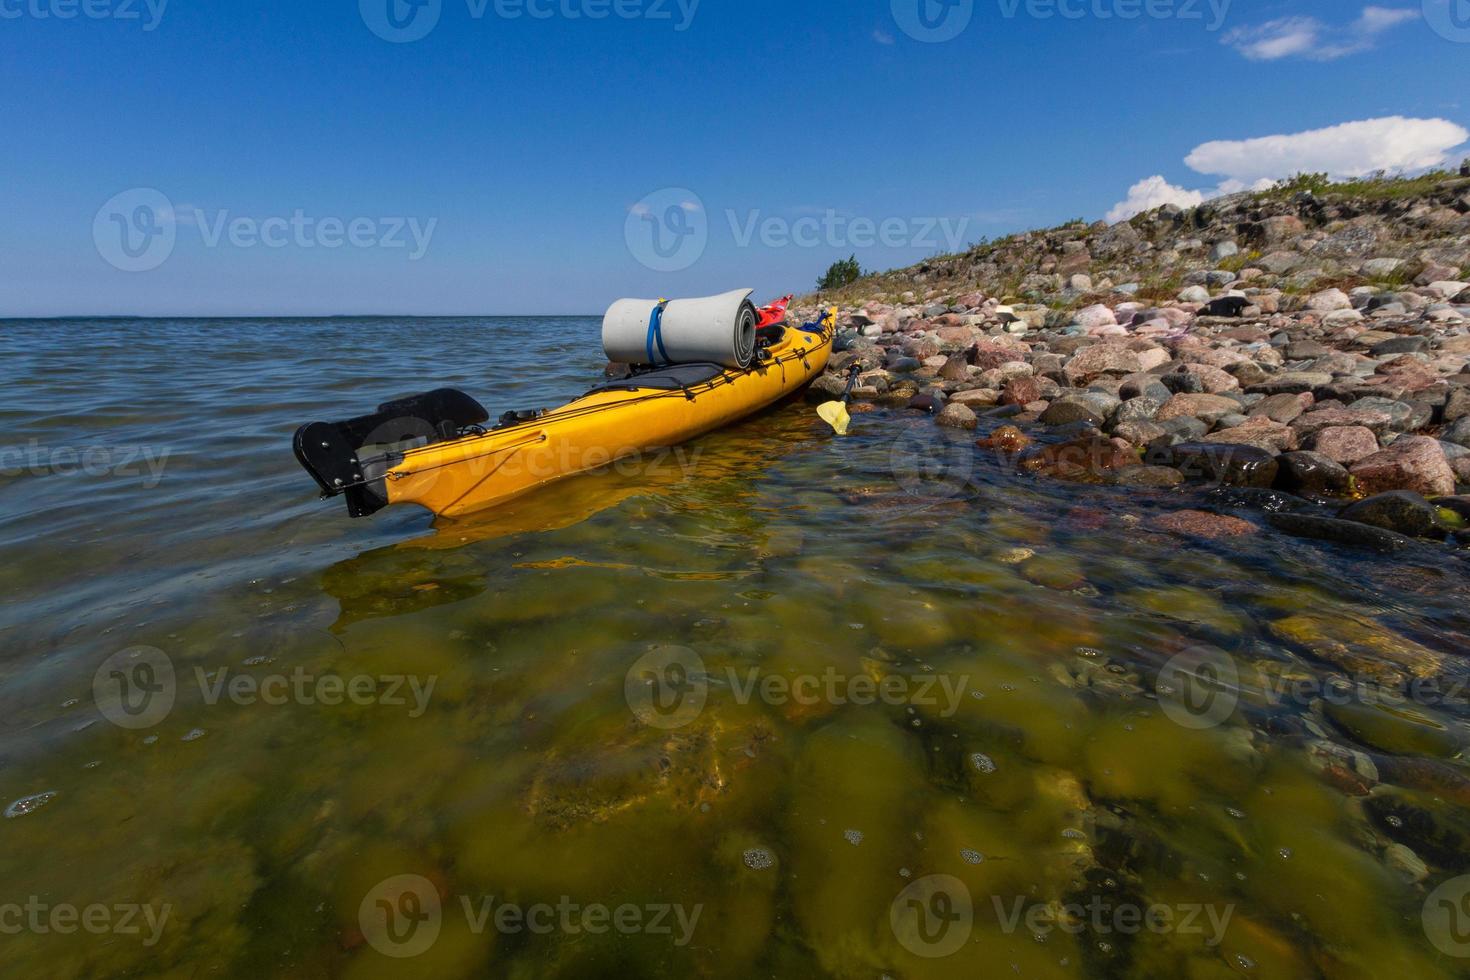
<point>1401,511</point>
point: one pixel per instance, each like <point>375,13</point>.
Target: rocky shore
<point>1309,346</point>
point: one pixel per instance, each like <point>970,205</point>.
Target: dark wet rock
<point>1267,501</point>
<point>1401,732</point>
<point>1441,834</point>
<point>898,362</point>
<point>930,402</point>
<point>1201,524</point>
<point>1312,475</point>
<point>1148,476</point>
<point>1428,775</point>
<point>1398,510</point>
<point>1245,466</point>
<point>617,370</point>
<point>1339,532</point>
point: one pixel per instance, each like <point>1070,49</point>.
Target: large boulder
<point>1415,463</point>
<point>1398,510</point>
<point>1089,362</point>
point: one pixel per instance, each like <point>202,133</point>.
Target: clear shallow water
<point>787,705</point>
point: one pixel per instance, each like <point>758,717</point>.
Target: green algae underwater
<point>776,705</point>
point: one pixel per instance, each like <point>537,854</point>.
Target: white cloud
<point>1150,193</point>
<point>1353,149</point>
<point>1310,38</point>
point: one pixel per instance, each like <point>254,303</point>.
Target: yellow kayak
<point>435,451</point>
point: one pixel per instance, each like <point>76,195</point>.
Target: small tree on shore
<point>840,274</point>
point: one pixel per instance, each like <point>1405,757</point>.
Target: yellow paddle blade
<point>835,415</point>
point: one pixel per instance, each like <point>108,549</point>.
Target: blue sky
<point>510,164</point>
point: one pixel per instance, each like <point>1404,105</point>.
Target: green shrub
<point>841,274</point>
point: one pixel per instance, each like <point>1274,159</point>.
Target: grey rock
<point>1401,345</point>
<point>1458,433</point>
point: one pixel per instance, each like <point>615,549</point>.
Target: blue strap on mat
<point>656,335</point>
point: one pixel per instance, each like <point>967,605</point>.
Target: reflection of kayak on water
<point>716,483</point>
<point>433,450</point>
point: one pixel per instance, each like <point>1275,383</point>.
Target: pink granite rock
<point>1415,463</point>
<point>1346,444</point>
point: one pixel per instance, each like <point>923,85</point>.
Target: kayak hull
<point>474,473</point>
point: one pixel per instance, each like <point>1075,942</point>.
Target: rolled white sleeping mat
<point>719,329</point>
